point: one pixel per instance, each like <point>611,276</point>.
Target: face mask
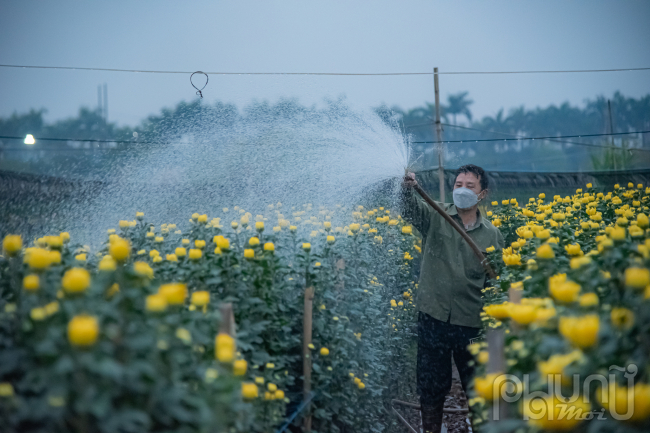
<point>464,198</point>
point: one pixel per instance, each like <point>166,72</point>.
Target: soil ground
<point>452,422</point>
<point>456,422</point>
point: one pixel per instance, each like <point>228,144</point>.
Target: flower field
<point>131,337</point>
<point>573,298</point>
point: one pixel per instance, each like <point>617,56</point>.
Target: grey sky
<point>318,36</point>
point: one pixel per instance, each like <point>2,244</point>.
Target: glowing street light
<point>29,139</point>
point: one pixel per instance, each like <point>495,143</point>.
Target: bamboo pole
<point>340,268</point>
<point>441,169</point>
<point>515,295</point>
<point>497,354</point>
<point>228,325</point>
<point>460,230</point>
<point>496,348</point>
<point>306,356</point>
<point>497,365</point>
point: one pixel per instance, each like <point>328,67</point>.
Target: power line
<point>415,125</point>
<point>533,138</point>
<point>518,138</point>
<point>83,140</point>
<point>149,71</point>
<point>93,140</point>
<point>23,149</point>
<point>601,146</point>
<point>496,132</point>
<point>578,143</point>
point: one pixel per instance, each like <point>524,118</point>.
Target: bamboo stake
<point>496,349</point>
<point>441,169</point>
<point>515,295</point>
<point>228,325</point>
<point>460,230</point>
<point>340,267</point>
<point>306,356</point>
<point>497,364</point>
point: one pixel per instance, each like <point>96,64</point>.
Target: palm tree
<point>498,123</point>
<point>458,104</point>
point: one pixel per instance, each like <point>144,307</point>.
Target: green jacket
<point>451,276</point>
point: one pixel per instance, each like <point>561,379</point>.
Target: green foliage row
<point>152,370</point>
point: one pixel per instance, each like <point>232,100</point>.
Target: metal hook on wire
<point>198,91</point>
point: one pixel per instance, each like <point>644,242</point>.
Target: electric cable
<point>578,143</point>
<point>602,146</point>
<point>519,138</point>
<point>149,71</point>
<point>531,138</point>
<point>81,140</point>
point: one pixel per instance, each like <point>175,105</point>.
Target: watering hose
<point>459,229</point>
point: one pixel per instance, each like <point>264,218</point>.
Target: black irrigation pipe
<point>293,416</point>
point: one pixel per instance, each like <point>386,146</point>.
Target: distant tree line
<point>628,114</point>
<point>75,158</point>
<point>599,115</point>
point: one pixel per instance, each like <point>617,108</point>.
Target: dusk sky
<point>332,36</point>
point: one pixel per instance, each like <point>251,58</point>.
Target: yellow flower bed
<point>129,336</point>
<point>583,263</point>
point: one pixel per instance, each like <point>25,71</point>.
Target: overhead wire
<point>150,71</point>
<point>79,140</point>
<point>578,143</point>
<point>339,74</point>
<point>602,146</point>
<point>518,138</point>
<point>483,140</point>
<point>84,140</point>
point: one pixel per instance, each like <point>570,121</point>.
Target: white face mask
<point>465,198</point>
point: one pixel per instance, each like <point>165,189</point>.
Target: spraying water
<point>286,153</point>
